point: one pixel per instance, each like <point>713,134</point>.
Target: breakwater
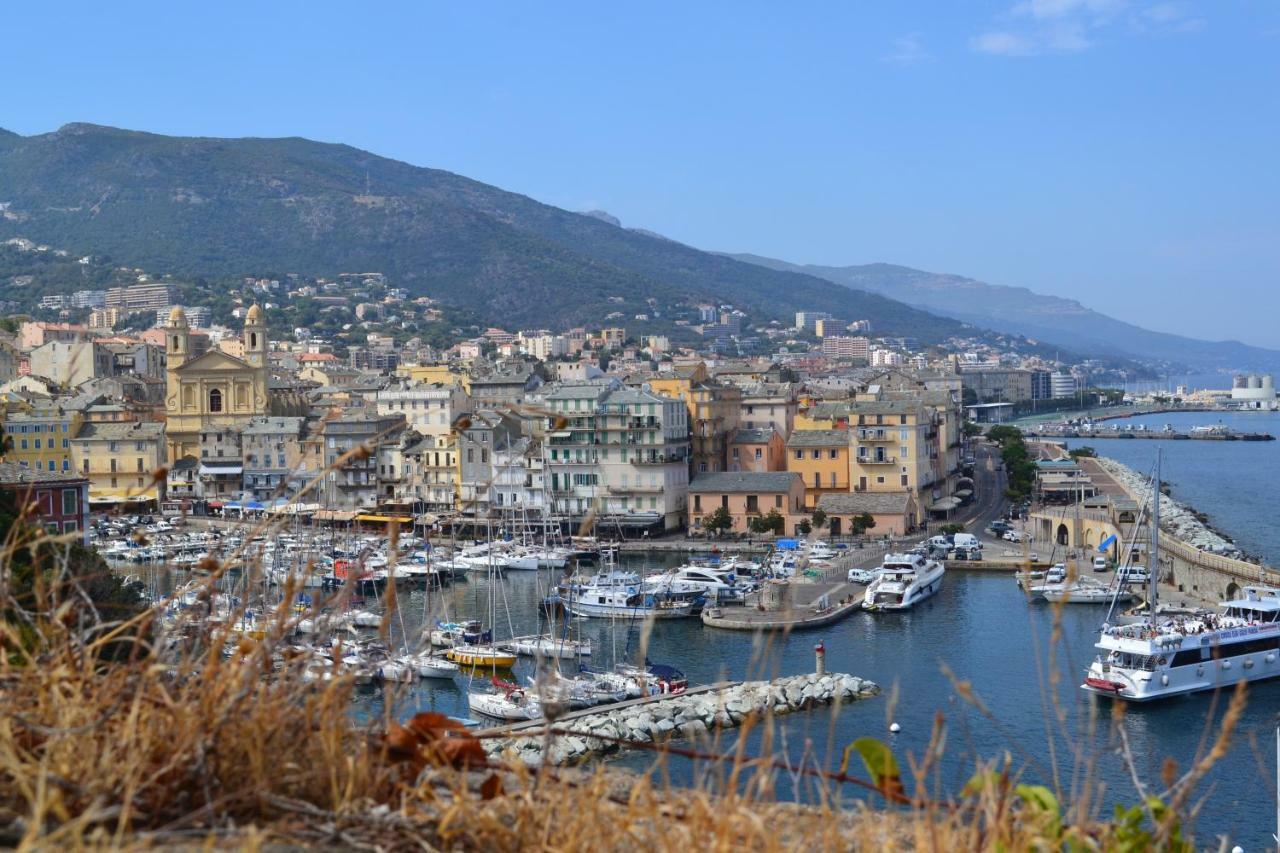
<point>688,715</point>
<point>1176,518</point>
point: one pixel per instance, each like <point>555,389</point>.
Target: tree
<point>772,523</point>
<point>718,521</point>
<point>819,519</point>
<point>1084,451</point>
<point>970,429</point>
<point>804,527</point>
<point>861,523</point>
<point>952,529</point>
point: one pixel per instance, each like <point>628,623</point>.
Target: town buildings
<point>56,500</point>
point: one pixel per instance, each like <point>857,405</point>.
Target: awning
<point>293,509</point>
<point>206,470</point>
<point>385,519</point>
<point>214,504</point>
<point>963,493</point>
<point>944,505</point>
<point>336,515</point>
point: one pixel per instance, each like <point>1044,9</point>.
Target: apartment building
<point>352,483</point>
<point>430,471</point>
<point>271,449</point>
<point>769,405</point>
<point>821,458</point>
<point>40,439</point>
<point>757,450</point>
<point>60,500</point>
<point>484,433</point>
<point>428,409</point>
<point>142,297</point>
<point>221,472</point>
<point>121,461</point>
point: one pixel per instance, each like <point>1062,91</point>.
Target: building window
<point>834,454</point>
<point>833,479</point>
<point>904,479</point>
<point>69,504</point>
<point>817,480</point>
<point>799,454</point>
<point>753,503</point>
<point>777,501</point>
<point>759,453</point>
<point>215,400</point>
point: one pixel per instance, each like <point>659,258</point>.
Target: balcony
<point>636,490</point>
<point>656,459</point>
<point>877,460</point>
<point>876,435</point>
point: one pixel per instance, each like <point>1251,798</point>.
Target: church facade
<point>213,390</point>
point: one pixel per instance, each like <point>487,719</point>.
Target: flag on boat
<point>1106,543</point>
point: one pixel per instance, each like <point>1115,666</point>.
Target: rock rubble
<point>684,716</point>
<point>1175,518</point>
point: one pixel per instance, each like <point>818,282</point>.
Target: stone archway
<point>1064,535</point>
<point>1089,537</point>
<point>1233,590</point>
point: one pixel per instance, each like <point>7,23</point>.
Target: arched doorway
<point>1064,535</point>
<point>1089,537</point>
<point>834,524</point>
<point>1233,590</point>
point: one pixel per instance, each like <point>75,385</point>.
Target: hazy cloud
<point>1032,27</point>
<point>908,50</point>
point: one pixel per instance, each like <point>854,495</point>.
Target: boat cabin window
<point>1135,661</point>
<point>1252,615</point>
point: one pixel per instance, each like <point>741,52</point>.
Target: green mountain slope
<point>220,207</point>
<point>1017,310</point>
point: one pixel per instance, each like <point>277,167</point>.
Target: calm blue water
<point>983,629</point>
<point>1231,481</point>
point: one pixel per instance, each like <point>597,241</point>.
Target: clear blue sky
<point>1120,152</point>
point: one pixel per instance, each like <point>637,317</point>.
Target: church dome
<point>254,316</point>
<point>177,318</point>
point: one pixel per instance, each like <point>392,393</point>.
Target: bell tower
<point>255,338</point>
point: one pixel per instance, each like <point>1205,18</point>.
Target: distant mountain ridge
<point>1018,310</point>
<point>229,207</point>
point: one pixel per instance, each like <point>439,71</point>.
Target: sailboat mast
<point>1154,568</point>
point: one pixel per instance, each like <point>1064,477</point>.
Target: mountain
<point>1017,310</point>
<point>216,208</point>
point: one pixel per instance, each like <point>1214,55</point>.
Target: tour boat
<point>1168,654</point>
<point>905,580</point>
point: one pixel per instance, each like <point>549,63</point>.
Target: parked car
<point>1100,564</point>
<point>862,575</point>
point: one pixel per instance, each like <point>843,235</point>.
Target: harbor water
<point>980,627</point>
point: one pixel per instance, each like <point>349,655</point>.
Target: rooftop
<point>727,482</point>
<point>876,503</point>
<point>752,436</point>
<point>819,438</point>
<point>128,431</point>
<point>13,474</point>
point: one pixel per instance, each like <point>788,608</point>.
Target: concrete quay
<point>798,607</point>
<point>655,719</point>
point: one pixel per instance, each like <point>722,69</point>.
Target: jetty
<point>692,714</point>
<point>1161,434</point>
<point>788,605</point>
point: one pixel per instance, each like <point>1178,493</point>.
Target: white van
<point>967,540</point>
<point>939,542</point>
<point>1133,574</point>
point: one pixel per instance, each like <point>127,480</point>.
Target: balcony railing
<point>878,460</point>
<point>876,435</point>
<point>656,459</point>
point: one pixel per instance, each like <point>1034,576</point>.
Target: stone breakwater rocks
<point>682,716</point>
<point>1175,518</point>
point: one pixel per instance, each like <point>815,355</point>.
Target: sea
<point>980,661</point>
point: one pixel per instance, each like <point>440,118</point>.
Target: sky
<point>1120,152</point>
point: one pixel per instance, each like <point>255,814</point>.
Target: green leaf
<point>1038,796</point>
<point>980,782</point>
<point>880,763</point>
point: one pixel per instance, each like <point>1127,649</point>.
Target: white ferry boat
<point>904,581</point>
<point>1172,656</point>
<point>1166,654</point>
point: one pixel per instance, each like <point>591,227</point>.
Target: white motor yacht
<point>621,594</point>
<point>905,580</point>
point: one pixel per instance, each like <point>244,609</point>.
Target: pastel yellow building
<point>121,461</point>
<point>821,458</point>
<point>41,438</point>
<point>435,374</point>
<point>215,389</point>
